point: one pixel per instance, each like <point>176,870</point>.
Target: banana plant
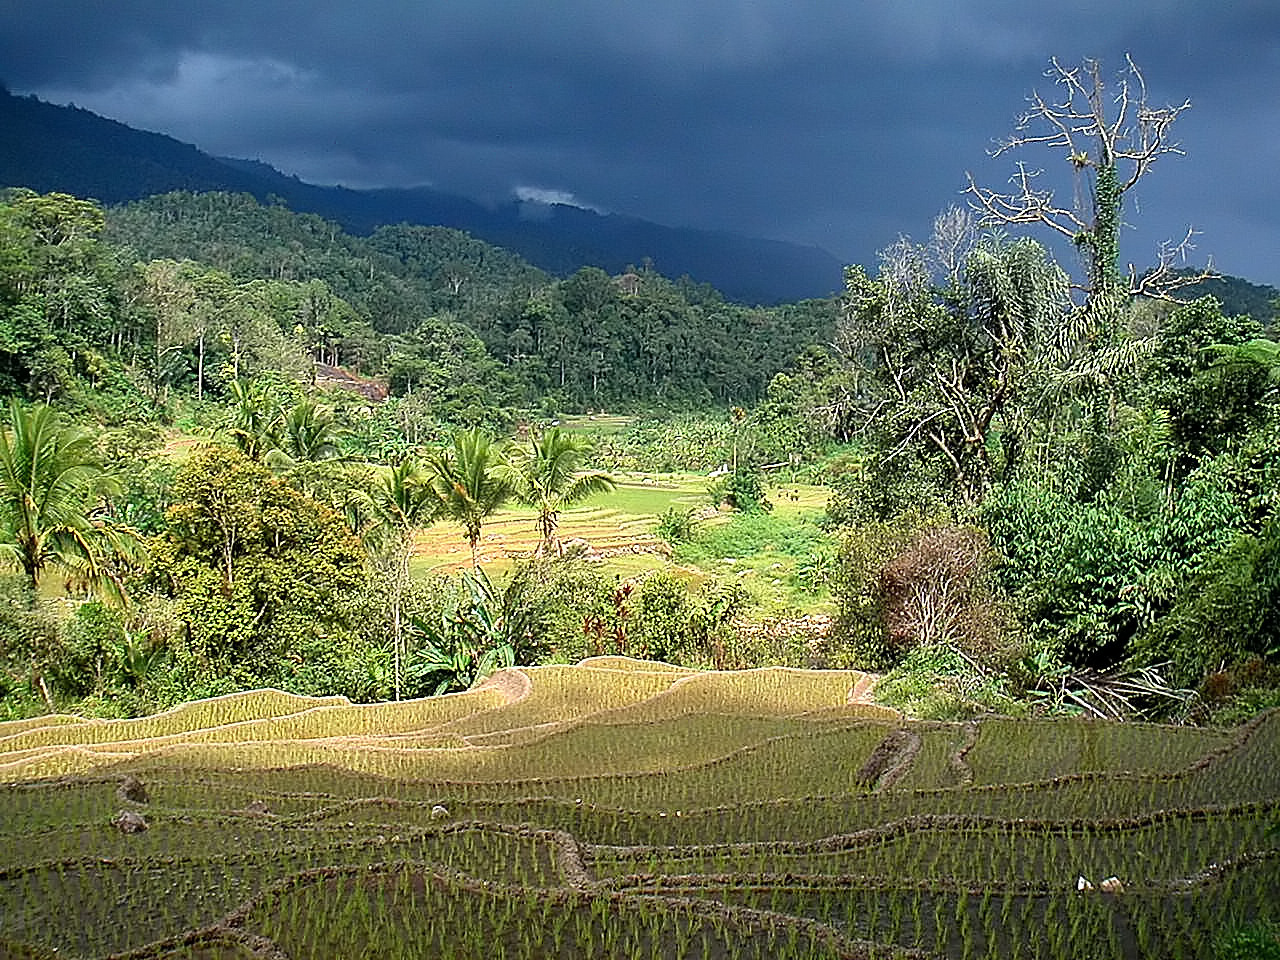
<point>461,644</point>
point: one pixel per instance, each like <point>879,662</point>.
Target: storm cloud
<point>842,124</point>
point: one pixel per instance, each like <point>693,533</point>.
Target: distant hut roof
<point>328,375</point>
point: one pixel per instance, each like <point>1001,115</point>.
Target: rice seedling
<point>627,809</point>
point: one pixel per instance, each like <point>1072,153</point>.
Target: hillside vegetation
<point>1036,505</point>
<point>954,600</point>
<point>70,150</point>
<point>231,429</point>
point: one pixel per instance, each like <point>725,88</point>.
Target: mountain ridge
<point>72,150</point>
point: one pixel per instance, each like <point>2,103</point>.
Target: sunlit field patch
<point>619,525</point>
<point>613,524</point>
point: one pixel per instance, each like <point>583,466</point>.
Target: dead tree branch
<point>1110,134</point>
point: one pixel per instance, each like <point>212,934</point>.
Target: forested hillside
<point>401,594</point>
<point>50,148</point>
<point>192,291</point>
<point>587,340</point>
<point>1237,296</point>
<point>1039,502</point>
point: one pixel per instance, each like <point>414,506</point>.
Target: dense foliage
<point>1126,485</point>
<point>228,427</point>
<point>442,299</point>
<point>259,573</point>
<point>1029,494</point>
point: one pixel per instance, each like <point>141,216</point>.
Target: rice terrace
<point>628,808</point>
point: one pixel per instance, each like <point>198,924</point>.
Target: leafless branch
<point>1024,204</point>
<point>1161,282</point>
<point>1099,124</point>
<point>905,443</point>
<point>955,232</point>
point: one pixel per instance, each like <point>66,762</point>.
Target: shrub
<point>917,581</point>
<point>663,608</point>
<point>30,638</point>
<point>676,525</point>
<point>1230,612</point>
<point>94,635</point>
<point>860,625</point>
<point>939,682</point>
<point>673,623</point>
<point>568,592</point>
<point>933,590</point>
<point>742,490</point>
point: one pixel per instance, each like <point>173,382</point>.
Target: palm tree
<point>306,435</point>
<point>544,474</point>
<point>402,502</point>
<point>51,490</point>
<point>469,483</point>
<point>258,420</point>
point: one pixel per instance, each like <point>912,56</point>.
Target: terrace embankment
<point>630,808</point>
<point>891,759</point>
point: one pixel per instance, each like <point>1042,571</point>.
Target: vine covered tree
<point>259,572</point>
<point>1111,135</point>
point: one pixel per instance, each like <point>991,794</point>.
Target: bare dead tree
<point>955,234</point>
<point>933,590</point>
<point>1111,132</point>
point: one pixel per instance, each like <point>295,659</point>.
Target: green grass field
<point>761,551</point>
<point>627,808</point>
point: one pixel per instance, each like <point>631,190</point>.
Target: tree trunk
<point>200,367</point>
<point>397,627</point>
<point>547,526</point>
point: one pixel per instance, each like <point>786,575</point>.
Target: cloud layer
<point>825,121</point>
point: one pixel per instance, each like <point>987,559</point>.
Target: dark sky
<point>836,122</point>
